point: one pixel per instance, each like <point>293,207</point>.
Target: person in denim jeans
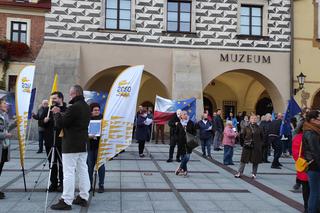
<point>229,139</point>
<point>205,127</point>
<point>93,148</point>
<point>185,125</point>
<point>311,150</point>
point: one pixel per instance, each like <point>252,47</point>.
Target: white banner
<point>23,93</point>
<point>119,114</point>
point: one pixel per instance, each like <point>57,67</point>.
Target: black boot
<point>80,201</point>
<point>61,205</point>
<point>53,188</point>
<point>2,196</point>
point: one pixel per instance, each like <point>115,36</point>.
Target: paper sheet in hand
<point>148,121</point>
<point>95,127</point>
<point>209,129</point>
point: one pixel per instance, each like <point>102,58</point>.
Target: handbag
<point>249,143</point>
<point>301,163</point>
<point>192,141</point>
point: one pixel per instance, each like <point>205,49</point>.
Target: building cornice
<point>44,5</point>
<point>27,12</point>
<point>50,39</point>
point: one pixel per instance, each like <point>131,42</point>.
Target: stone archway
<point>316,101</point>
<point>264,106</point>
<point>241,89</point>
<point>150,85</point>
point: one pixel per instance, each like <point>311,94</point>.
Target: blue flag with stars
<point>292,110</point>
<point>188,105</point>
<point>96,97</point>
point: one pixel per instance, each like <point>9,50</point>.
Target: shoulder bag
<point>301,163</point>
<point>192,141</point>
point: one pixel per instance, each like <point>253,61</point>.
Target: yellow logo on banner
<point>26,85</point>
<point>124,88</point>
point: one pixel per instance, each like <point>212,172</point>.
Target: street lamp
<point>301,77</point>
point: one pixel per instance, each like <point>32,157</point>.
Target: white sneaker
<point>254,176</point>
<point>238,175</point>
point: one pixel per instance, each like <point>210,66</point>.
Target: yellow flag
<point>55,84</point>
<point>54,87</point>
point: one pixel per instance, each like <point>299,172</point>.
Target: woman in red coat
<point>302,177</point>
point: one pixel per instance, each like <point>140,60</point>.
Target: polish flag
<point>166,108</point>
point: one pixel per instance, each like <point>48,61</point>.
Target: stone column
<point>55,57</point>
<point>60,58</point>
<point>187,77</point>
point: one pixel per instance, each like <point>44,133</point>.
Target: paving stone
<point>148,199</point>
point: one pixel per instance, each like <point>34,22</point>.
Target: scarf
<point>184,122</point>
<point>311,127</point>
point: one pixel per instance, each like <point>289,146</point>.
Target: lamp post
<point>301,78</point>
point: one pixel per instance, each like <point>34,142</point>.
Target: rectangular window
<point>179,16</point>
<point>18,32</point>
<point>251,20</point>
<point>118,14</point>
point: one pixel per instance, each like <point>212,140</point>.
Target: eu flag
<point>188,105</point>
<point>96,97</point>
<point>292,110</point>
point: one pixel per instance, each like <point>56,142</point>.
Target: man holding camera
<point>50,127</point>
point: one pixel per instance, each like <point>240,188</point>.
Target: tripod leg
<point>94,182</point>
<point>37,181</point>
<point>50,170</point>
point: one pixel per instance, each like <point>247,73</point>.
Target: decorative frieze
<point>216,24</point>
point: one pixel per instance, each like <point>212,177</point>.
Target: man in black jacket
<point>218,127</point>
<point>38,116</point>
<point>48,122</point>
<point>274,140</point>
<point>265,126</point>
<point>173,140</point>
<point>74,123</point>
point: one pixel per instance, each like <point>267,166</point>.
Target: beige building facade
<point>222,61</point>
<point>307,51</point>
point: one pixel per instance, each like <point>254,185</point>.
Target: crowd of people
<point>64,131</point>
<point>258,136</point>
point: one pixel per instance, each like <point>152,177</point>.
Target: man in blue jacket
<point>205,127</point>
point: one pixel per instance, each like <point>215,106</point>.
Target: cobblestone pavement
<point>134,184</point>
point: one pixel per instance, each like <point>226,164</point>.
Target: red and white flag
<point>166,108</point>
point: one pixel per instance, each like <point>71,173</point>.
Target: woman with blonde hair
<point>185,125</point>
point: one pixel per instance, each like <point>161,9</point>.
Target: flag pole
<point>24,179</point>
<point>29,130</point>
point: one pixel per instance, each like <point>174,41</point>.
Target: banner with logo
<point>118,117</point>
<point>23,93</point>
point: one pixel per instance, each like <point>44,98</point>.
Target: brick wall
<point>37,31</point>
